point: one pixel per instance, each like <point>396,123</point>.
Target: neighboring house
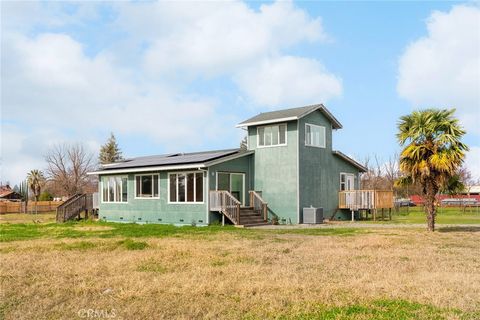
<point>289,163</point>
<point>7,193</point>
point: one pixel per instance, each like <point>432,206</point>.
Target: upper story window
<point>115,189</point>
<point>146,186</point>
<point>272,135</point>
<point>314,135</point>
<point>186,187</point>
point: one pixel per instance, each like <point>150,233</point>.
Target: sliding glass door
<point>232,182</point>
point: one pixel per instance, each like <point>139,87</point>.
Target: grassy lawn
<point>51,271</point>
<point>444,216</point>
<point>45,217</point>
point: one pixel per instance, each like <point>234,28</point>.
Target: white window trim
<point>322,146</point>
<point>113,202</point>
<point>194,187</point>
<point>276,145</point>
<point>135,186</point>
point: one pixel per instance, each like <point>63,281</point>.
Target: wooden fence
<point>20,207</point>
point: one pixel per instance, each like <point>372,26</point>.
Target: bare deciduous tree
<point>382,175</point>
<point>68,166</point>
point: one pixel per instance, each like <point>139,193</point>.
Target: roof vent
<point>175,155</point>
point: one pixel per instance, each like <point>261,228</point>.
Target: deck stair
<point>74,206</point>
<point>250,218</point>
<point>225,203</point>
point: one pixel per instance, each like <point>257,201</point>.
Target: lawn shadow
<point>460,229</point>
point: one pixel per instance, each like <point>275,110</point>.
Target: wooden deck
<point>365,200</point>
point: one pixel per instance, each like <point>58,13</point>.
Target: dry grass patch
<point>271,275</point>
<point>93,228</point>
<point>47,217</point>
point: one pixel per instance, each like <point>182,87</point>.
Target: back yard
<point>127,271</point>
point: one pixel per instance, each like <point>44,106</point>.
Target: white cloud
<point>138,84</point>
<point>472,161</point>
<point>60,79</point>
<point>443,68</point>
<point>23,150</point>
<point>216,37</point>
<point>287,81</point>
<point>51,83</point>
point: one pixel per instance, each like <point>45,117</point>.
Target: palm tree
<point>35,181</point>
<point>432,154</point>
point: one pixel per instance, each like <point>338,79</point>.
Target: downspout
<point>207,198</point>
<point>298,171</point>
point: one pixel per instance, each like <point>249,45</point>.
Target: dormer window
<point>314,136</point>
<point>272,135</point>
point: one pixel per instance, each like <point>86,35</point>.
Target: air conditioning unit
<point>312,215</point>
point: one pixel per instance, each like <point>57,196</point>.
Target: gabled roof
<point>4,193</point>
<point>289,115</point>
<point>171,161</point>
<point>350,160</point>
<point>7,192</point>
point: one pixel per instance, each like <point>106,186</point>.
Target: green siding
<point>153,210</point>
<point>239,165</point>
<point>289,177</point>
<point>320,169</point>
<point>276,173</point>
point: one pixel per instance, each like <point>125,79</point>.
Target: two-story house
<point>289,164</point>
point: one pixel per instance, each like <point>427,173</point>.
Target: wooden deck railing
<point>225,202</point>
<point>365,199</point>
<point>258,204</point>
<point>74,206</point>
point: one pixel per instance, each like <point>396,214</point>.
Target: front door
<point>349,186</point>
<point>350,182</point>
<point>233,183</point>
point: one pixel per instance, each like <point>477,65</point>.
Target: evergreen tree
<point>110,152</point>
<point>244,144</point>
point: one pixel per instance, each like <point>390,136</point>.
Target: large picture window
<point>274,135</point>
<point>314,135</point>
<point>146,186</point>
<point>115,189</point>
<point>186,187</point>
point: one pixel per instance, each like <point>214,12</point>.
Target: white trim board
<point>256,123</point>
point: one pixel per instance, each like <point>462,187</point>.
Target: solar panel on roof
<point>172,159</point>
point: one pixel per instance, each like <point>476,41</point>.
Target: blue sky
<point>178,76</point>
